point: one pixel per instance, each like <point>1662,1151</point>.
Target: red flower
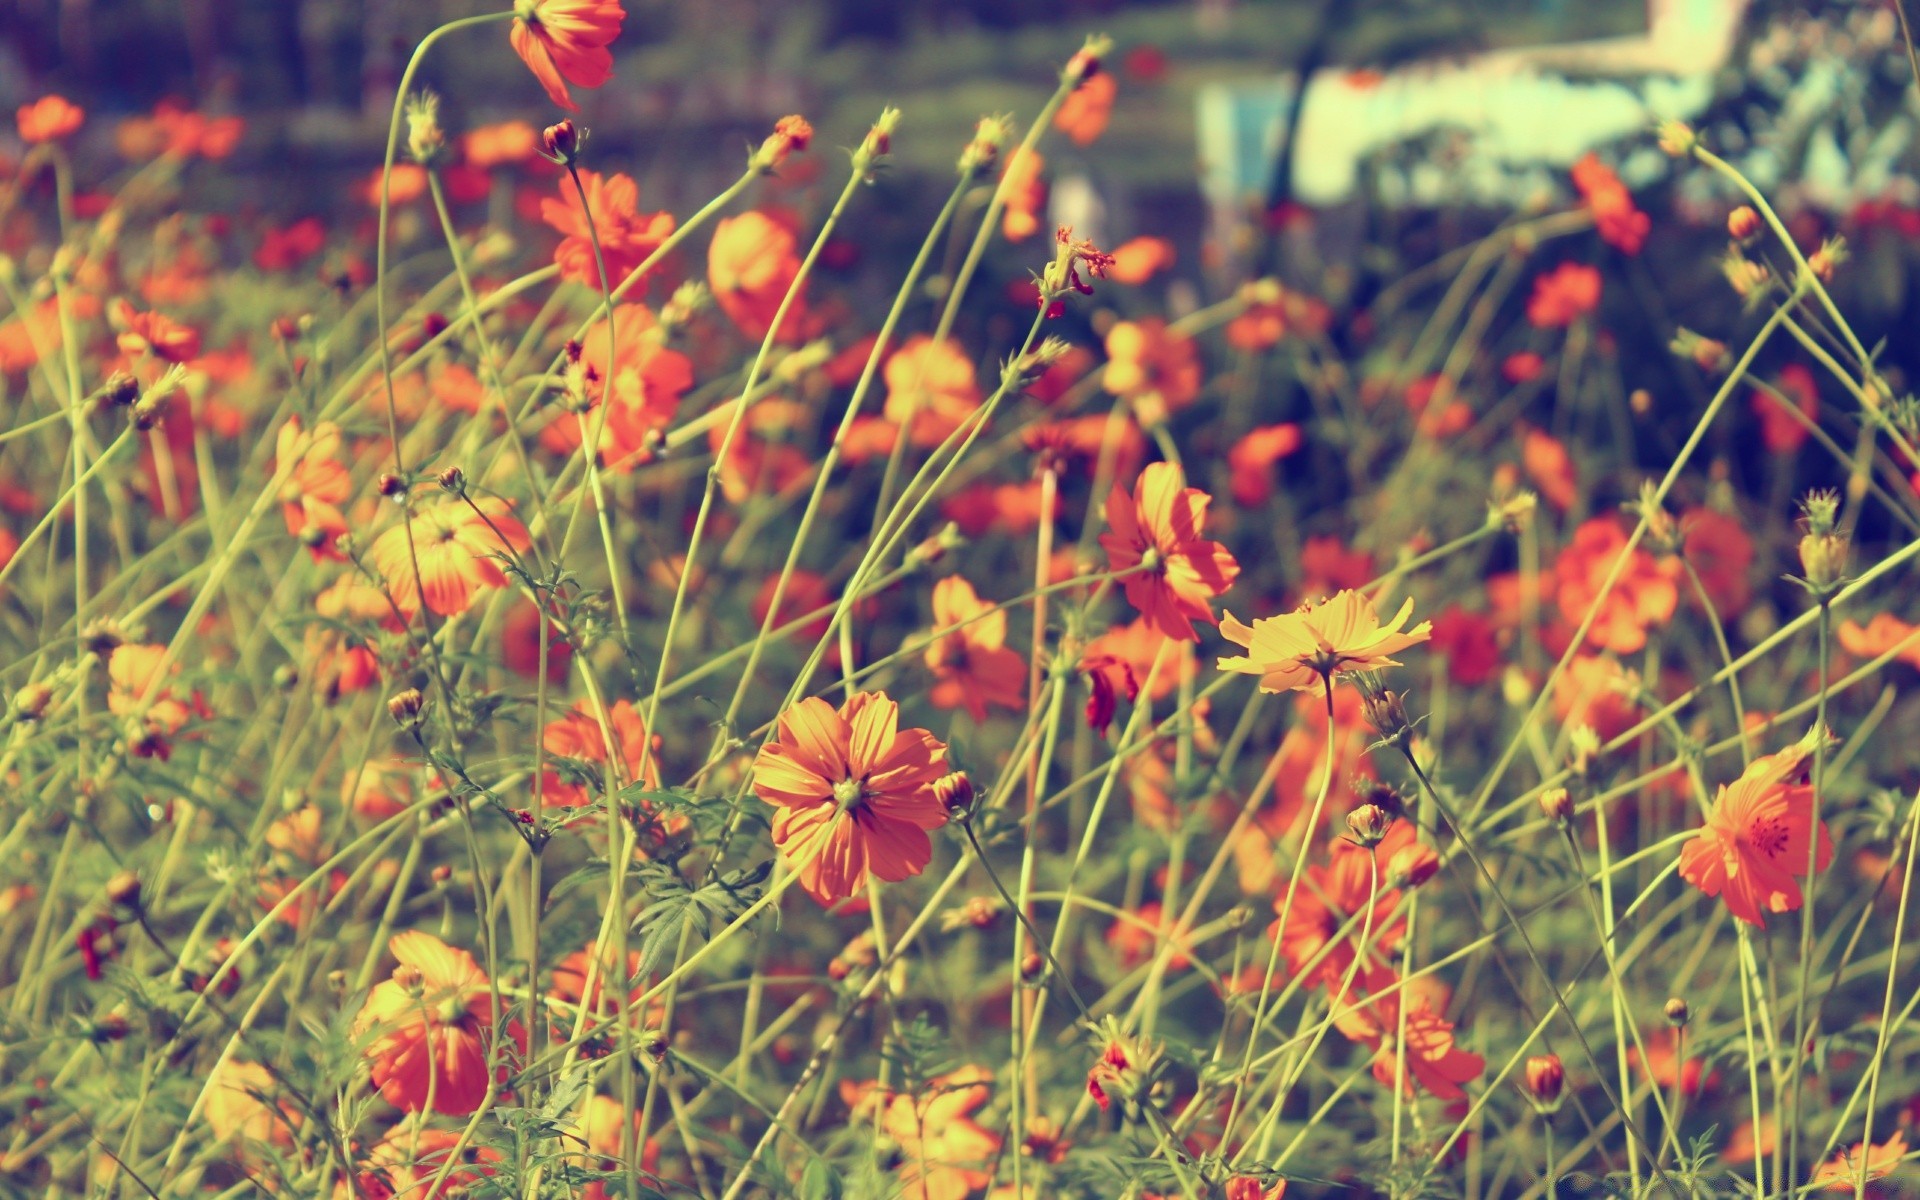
<point>1621,225</point>
<point>1563,295</point>
<point>972,666</point>
<point>152,333</point>
<point>1158,528</point>
<point>49,119</point>
<point>1644,595</point>
<point>627,236</point>
<point>1433,1060</point>
<point>855,793</point>
<point>1781,432</point>
<point>1756,841</point>
<point>1084,114</point>
<point>751,264</point>
<point>434,1023</point>
<point>565,41</point>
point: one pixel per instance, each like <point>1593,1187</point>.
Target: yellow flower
<point>1304,649</point>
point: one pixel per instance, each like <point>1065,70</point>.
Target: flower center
<point>848,793</point>
<point>450,1009</point>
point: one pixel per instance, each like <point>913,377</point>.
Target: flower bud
<point>405,707</point>
<point>1387,713</point>
<point>1823,548</point>
<point>426,140</point>
<point>411,979</point>
<point>1743,223</point>
<point>1032,967</point>
<point>1368,824</point>
<point>989,137</point>
<point>790,135</point>
<point>392,486</point>
<point>1557,804</point>
<point>955,793</point>
<point>441,874</point>
<point>123,890</point>
<point>561,142</point>
<point>30,703</point>
<point>120,389</point>
<point>1678,1014</point>
<point>879,140</point>
<point>1677,138</point>
<point>1545,1078</point>
<point>453,480</point>
<point>1707,354</point>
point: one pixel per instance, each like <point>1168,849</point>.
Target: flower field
<point>512,689</point>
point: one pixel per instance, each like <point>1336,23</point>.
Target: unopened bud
<point>1743,223</point>
<point>1545,1079</point>
<point>1557,804</point>
<point>790,136</point>
<point>561,142</point>
<point>1368,824</point>
<point>1032,967</point>
<point>392,486</point>
<point>1678,1013</point>
<point>453,480</point>
<point>426,141</point>
<point>989,137</point>
<point>30,703</point>
<point>955,793</point>
<point>405,707</point>
<point>124,890</point>
<point>1677,138</point>
<point>120,389</point>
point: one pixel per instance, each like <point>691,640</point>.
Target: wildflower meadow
<point>514,687</point>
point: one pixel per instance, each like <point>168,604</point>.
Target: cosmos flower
<point>458,548</point>
<point>433,1023</point>
<point>1304,649</point>
<point>49,119</point>
<point>855,793</point>
<point>1158,529</point>
<point>565,41</point>
<point>972,666</point>
<point>1755,843</point>
<point>628,237</point>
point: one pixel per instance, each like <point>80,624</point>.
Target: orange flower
<point>1434,1061</point>
<point>649,381</point>
<point>1253,459</point>
<point>578,736</point>
<point>1596,690</point>
<point>1563,295</point>
<point>434,1027</point>
<point>972,666</point>
<point>1883,632</point>
<point>179,131</point>
<point>49,119</point>
<point>1318,922</point>
<point>151,333</point>
<point>240,1108</point>
<point>1158,371</point>
<point>1023,195</point>
<point>509,142</point>
<point>627,236</point>
<point>1140,259</point>
<point>1755,843</point>
<point>1644,595</point>
<point>1778,428</point>
<point>1303,650</point>
<point>1084,113</point>
<point>407,1161</point>
<point>315,487</point>
<point>855,793</point>
<point>932,385</point>
<point>600,1122</point>
<point>130,675</point>
<point>1621,225</point>
<point>1842,1172</point>
<point>458,548</point>
<point>565,41</point>
<point>1551,468</point>
<point>945,1155</point>
<point>1158,529</point>
<point>751,265</point>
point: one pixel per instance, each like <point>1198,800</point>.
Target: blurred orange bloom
<point>151,333</point>
<point>1778,428</point>
<point>1644,595</point>
<point>500,145</point>
<point>945,1155</point>
<point>1563,295</point>
<point>649,380</point>
<point>1304,649</point>
<point>1756,841</point>
<point>130,675</point>
<point>1551,468</point>
<point>627,236</point>
<point>565,41</point>
<point>1140,259</point>
<point>972,666</point>
<point>1347,885</point>
<point>434,1023</point>
<point>407,1161</point>
<point>1722,555</point>
<point>178,130</point>
<point>855,793</point>
<point>1157,529</point>
<point>1883,632</point>
<point>315,487</point>
<point>49,119</point>
<point>1083,115</point>
<point>458,547</point>
<point>1621,225</point>
<point>1023,195</point>
<point>239,1106</point>
<point>1597,690</point>
<point>1842,1173</point>
<point>1157,370</point>
<point>1434,1060</point>
<point>1253,459</point>
<point>578,736</point>
<point>930,384</point>
<point>751,264</point>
